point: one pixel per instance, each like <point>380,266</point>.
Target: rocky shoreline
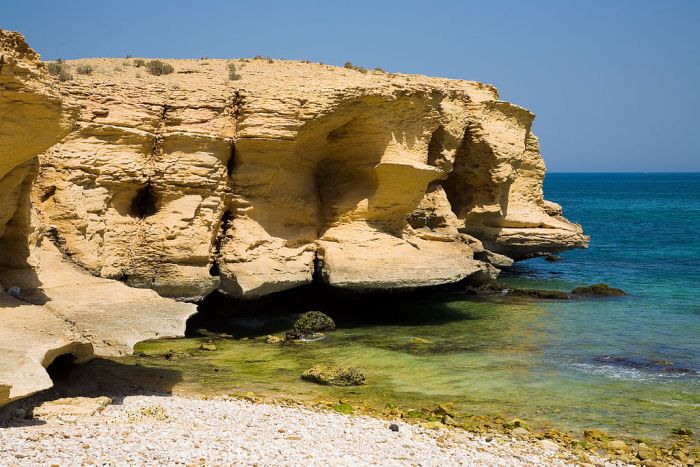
<point>157,429</point>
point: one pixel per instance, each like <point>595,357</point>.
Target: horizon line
<point>691,172</point>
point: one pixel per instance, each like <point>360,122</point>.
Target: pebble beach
<point>174,430</point>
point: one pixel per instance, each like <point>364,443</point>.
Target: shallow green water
<point>629,365</point>
<point>489,358</point>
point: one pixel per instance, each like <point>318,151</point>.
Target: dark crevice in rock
<point>60,369</point>
<point>225,225</point>
<point>58,240</point>
<point>436,146</point>
<point>317,276</point>
<point>50,191</point>
<point>231,162</point>
<point>145,203</point>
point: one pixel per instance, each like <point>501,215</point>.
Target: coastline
<point>175,429</point>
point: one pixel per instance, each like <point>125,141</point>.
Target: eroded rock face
<point>31,120</point>
<point>49,307</point>
<point>189,182</point>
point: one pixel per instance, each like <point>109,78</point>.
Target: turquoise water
<point>626,365</point>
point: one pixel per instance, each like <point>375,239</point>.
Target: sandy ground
<point>169,430</point>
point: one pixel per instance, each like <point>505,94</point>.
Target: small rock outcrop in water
<point>333,376</point>
<point>313,321</point>
<point>500,288</point>
<point>598,290</point>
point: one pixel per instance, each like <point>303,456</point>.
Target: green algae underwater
<point>629,366</point>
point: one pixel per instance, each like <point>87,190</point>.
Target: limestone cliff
<point>191,182</point>
<point>48,306</point>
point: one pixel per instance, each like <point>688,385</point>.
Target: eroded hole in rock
<point>145,203</point>
<point>469,183</point>
<point>436,146</point>
<point>60,369</point>
<point>50,191</point>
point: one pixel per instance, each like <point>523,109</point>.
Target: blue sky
<point>615,84</point>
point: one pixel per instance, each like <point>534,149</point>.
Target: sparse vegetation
<point>85,69</point>
<point>260,57</point>
<point>158,67</point>
<point>379,69</point>
<point>60,69</point>
<point>139,62</point>
<point>350,66</point>
<point>233,72</point>
<point>127,56</point>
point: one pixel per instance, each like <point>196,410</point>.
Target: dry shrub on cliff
<point>85,70</point>
<point>350,66</point>
<point>158,67</point>
<point>139,62</point>
<point>233,73</point>
<point>260,57</point>
<point>59,69</point>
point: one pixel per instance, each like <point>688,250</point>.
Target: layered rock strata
<point>50,307</point>
<point>191,182</point>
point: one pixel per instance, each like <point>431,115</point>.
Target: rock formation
<point>48,306</point>
<point>191,182</point>
<point>291,172</point>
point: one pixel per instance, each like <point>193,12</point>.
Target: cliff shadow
<point>99,377</point>
<point>17,275</point>
<point>274,313</point>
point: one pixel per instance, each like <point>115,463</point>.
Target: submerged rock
<point>596,435</point>
<point>501,288</point>
<point>598,290</point>
<point>644,452</point>
<point>271,339</point>
<point>617,446</point>
<point>333,376</point>
<point>539,293</point>
<point>311,322</point>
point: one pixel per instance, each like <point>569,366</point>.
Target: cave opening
<point>462,183</point>
<point>145,203</point>
<point>61,368</point>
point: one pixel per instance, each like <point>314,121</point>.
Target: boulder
<point>334,376</point>
<point>313,321</point>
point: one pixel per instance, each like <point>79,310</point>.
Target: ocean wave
<point>611,371</point>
